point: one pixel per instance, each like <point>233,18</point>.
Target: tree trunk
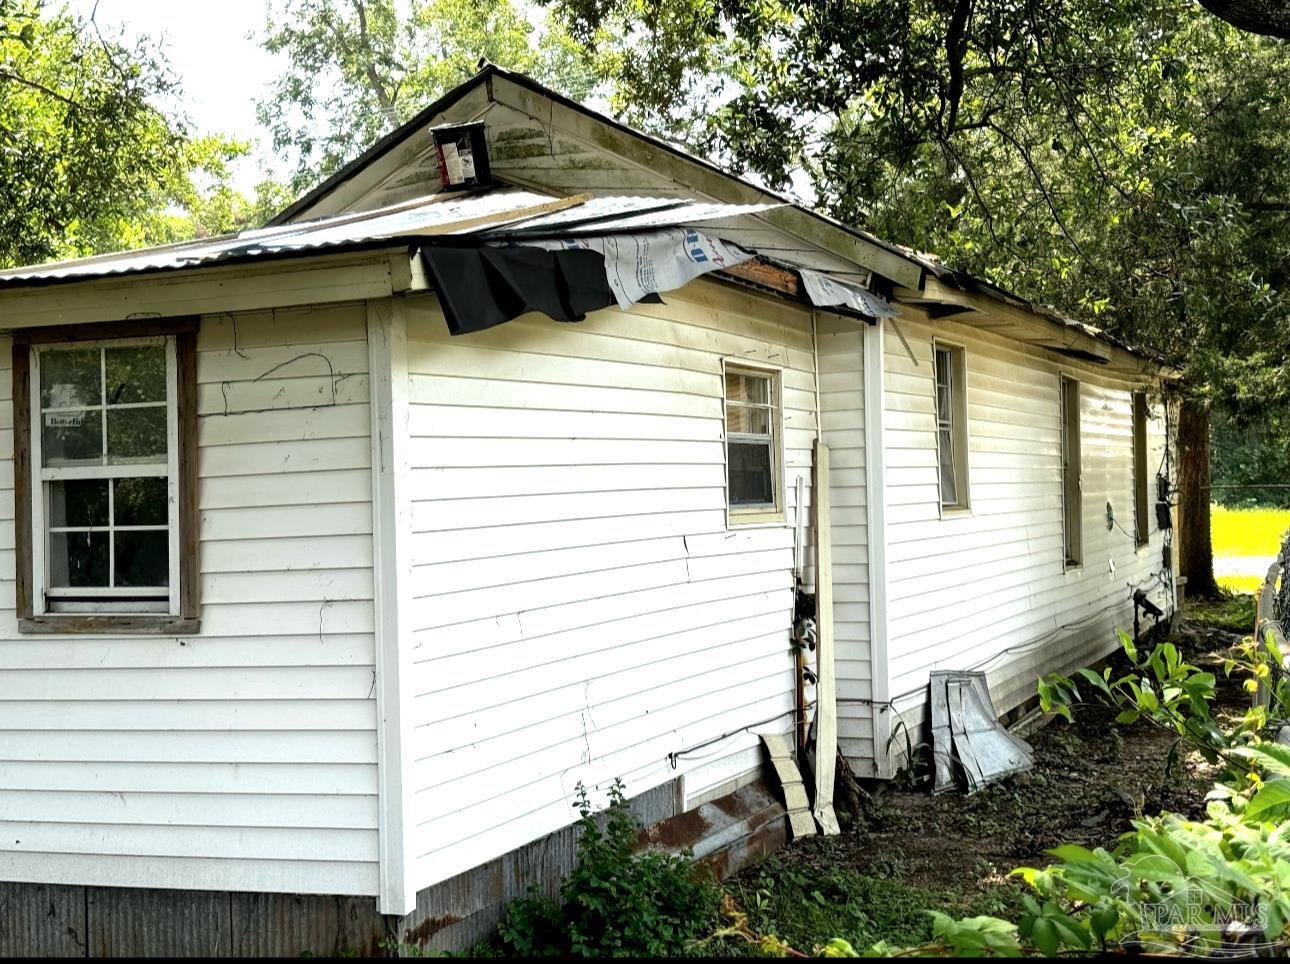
<point>1269,17</point>
<point>1196,552</point>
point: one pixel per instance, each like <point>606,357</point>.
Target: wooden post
<point>826,709</point>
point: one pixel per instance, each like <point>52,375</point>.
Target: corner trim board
<point>876,520</point>
<point>391,570</point>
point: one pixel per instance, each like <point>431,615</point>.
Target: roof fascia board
<point>1018,324</point>
<point>349,276</point>
<point>659,157</point>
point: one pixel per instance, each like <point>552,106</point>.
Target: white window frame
<point>756,514</point>
<point>1072,504</point>
<point>958,426</point>
<point>86,600</point>
<point>1140,405</point>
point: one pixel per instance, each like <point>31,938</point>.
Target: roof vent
<point>463,156</point>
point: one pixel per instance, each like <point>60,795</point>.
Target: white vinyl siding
<point>243,757</point>
<point>840,343</point>
<point>581,610</point>
<point>964,589</point>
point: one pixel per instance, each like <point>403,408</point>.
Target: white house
<point>314,611</point>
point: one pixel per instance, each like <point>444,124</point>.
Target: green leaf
<point>1099,683</point>
<point>1044,936</point>
<point>1126,641</point>
<point>1272,796</point>
<point>1272,757</point>
<point>1102,919</point>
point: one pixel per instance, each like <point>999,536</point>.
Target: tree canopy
<point>1271,17</point>
<point>88,161</point>
<point>1124,162</point>
<point>355,69</point>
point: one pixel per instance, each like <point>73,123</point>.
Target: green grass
<point>1247,532</point>
<point>1235,613</point>
<point>809,905</point>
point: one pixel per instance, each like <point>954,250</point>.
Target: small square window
<point>752,443</point>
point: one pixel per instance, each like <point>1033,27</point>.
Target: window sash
<point>768,440</point>
<point>48,599</point>
<point>1072,483</point>
<point>949,402</point>
<point>1141,518</point>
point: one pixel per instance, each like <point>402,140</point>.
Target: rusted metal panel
<point>460,911</point>
<point>727,834</point>
<point>123,922</point>
<point>42,920</point>
<point>288,925</point>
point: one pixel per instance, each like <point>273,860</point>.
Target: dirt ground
<point>1090,779</point>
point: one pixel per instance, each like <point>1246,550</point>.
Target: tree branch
<point>36,85</point>
<point>1268,17</point>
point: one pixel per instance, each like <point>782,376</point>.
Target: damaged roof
<point>497,214</point>
<point>564,170</point>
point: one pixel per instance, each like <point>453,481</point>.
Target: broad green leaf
<point>1272,798</point>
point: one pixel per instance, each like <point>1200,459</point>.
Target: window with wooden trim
<point>105,481</point>
<point>753,484</point>
<point>1072,482</point>
<point>1142,521</point>
<point>951,425</point>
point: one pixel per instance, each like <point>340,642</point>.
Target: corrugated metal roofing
<point>487,214</point>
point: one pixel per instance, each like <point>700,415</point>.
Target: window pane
<point>78,502</point>
<point>750,421</point>
<point>70,378</point>
<point>747,388</point>
<point>136,433</point>
<point>944,412</point>
<point>750,474</point>
<point>68,437</point>
<point>949,487</point>
<point>78,559</point>
<point>142,558</point>
<point>140,502</point>
<point>135,374</point>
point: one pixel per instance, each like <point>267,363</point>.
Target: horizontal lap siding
<point>581,610</point>
<point>242,757</point>
<point>841,352</point>
<point>965,588</point>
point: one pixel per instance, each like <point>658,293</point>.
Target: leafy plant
<point>617,902</point>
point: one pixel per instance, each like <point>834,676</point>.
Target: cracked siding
<point>242,757</point>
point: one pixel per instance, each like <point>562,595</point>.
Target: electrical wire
<point>1017,650</point>
<point>1157,578</point>
<point>676,755</point>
